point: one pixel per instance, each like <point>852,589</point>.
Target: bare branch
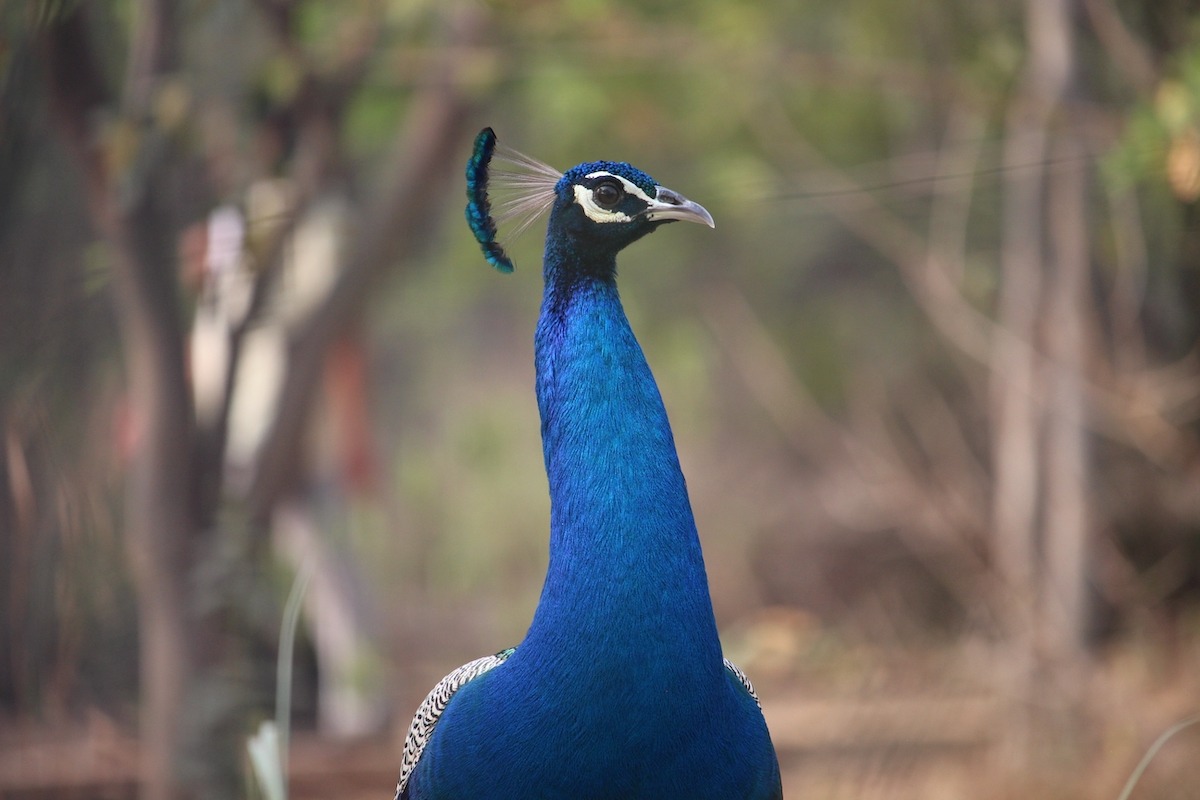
<point>153,53</point>
<point>1125,49</point>
<point>400,218</point>
<point>160,487</point>
<point>861,213</point>
<point>881,474</point>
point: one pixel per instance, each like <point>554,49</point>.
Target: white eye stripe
<point>630,188</point>
<point>595,213</point>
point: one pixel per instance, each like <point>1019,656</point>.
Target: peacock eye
<point>607,194</point>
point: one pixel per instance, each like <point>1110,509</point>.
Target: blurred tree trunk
<point>1066,519</point>
<point>191,640</point>
<point>1039,502</point>
<point>130,215</point>
<point>1014,389</point>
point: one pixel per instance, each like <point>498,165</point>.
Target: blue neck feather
<point>619,689</point>
<point>626,572</point>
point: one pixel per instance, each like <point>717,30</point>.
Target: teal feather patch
<point>479,206</point>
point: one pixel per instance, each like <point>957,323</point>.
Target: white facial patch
<point>595,213</point>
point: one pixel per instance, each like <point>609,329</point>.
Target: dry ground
<point>854,724</point>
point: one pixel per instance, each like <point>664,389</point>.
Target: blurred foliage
<point>745,107</point>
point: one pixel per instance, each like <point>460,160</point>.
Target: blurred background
<point>934,378</point>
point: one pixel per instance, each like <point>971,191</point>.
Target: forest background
<point>934,378</point>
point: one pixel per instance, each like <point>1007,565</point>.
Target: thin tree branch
<point>928,271</point>
<point>161,525</point>
<point>153,53</point>
<point>400,218</point>
<point>1133,56</point>
<point>884,476</point>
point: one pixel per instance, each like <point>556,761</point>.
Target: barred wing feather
<point>430,710</point>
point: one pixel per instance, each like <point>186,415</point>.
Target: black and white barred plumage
<point>743,680</point>
<point>430,710</point>
<point>432,707</point>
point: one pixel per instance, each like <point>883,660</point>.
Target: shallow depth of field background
<point>934,377</point>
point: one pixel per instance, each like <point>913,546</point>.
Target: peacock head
<point>604,205</point>
<point>612,204</point>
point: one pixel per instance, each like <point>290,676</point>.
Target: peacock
<point>620,688</point>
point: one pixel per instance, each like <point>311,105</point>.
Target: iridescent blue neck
<point>625,563</point>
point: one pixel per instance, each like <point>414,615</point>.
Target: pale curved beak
<point>671,205</point>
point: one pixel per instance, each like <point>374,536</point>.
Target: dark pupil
<point>607,194</point>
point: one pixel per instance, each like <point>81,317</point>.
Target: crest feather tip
<point>527,188</point>
<point>479,205</point>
